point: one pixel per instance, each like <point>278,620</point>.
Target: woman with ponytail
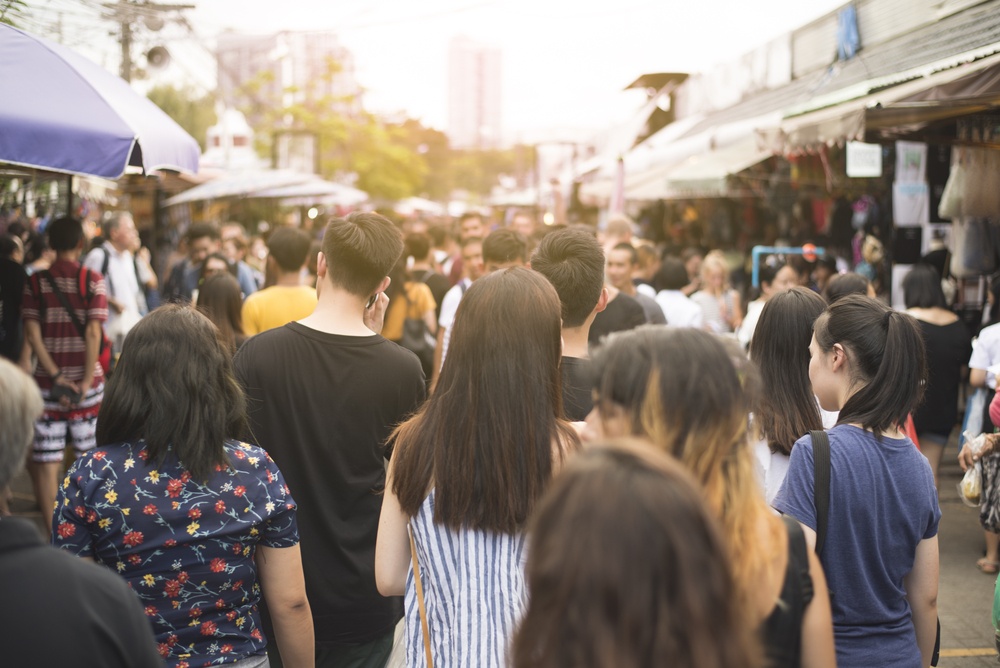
<point>881,549</point>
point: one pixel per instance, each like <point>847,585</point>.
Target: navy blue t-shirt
<point>882,504</point>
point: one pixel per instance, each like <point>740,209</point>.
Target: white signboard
<point>864,160</point>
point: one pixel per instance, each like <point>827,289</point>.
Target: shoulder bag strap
<point>420,599</point>
<point>821,485</point>
<point>798,554</point>
<point>80,329</point>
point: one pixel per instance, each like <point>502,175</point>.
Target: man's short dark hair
<point>65,233</point>
<point>633,255</point>
<point>9,244</point>
<point>202,230</point>
<point>360,251</point>
<point>505,245</point>
<point>439,234</point>
<point>573,262</point>
<point>672,275</point>
<point>289,247</point>
<point>418,245</point>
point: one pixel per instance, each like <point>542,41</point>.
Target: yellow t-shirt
<point>421,301</point>
<point>276,306</point>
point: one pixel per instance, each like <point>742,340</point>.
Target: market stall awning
<point>243,184</point>
<point>964,87</point>
<point>64,113</point>
<point>704,174</point>
<point>316,191</point>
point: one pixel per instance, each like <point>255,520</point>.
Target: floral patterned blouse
<point>186,548</point>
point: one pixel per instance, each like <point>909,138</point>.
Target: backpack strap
<point>821,484</point>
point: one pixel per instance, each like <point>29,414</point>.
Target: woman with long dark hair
<point>468,469</point>
<point>628,569</point>
<point>786,408</point>
<point>199,525</point>
<point>881,549</point>
<point>221,301</point>
<point>687,393</point>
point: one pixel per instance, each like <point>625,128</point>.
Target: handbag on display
<point>950,206</point>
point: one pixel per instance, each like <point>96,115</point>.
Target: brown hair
<point>628,569</point>
<point>681,388</point>
<point>485,438</point>
<point>221,301</point>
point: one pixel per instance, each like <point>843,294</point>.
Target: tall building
<point>286,67</point>
<point>473,95</point>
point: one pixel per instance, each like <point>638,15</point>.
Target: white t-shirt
<point>986,353</point>
<point>678,309</point>
<point>771,467</point>
<point>449,307</point>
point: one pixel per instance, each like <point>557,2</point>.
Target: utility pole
<point>125,13</point>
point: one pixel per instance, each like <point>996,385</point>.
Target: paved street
<point>966,598</point>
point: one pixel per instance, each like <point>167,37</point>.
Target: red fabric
<point>911,430</point>
<point>995,409</point>
<point>59,335</point>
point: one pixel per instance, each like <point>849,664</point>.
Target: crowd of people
<point>481,445</point>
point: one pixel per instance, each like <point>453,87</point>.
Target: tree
<point>353,143</point>
<point>193,113</point>
<point>11,11</point>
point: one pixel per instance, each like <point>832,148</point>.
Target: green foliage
<point>389,160</point>
<point>193,113</point>
<point>11,11</point>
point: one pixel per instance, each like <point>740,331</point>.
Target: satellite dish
<point>157,58</point>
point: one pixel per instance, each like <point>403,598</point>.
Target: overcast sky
<point>564,61</point>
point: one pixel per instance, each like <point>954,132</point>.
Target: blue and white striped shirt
<point>474,593</point>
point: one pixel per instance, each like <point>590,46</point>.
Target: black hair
<point>671,275</point>
<point>573,262</point>
<point>418,245</point>
<point>8,246</point>
<point>633,254</point>
<point>922,288</point>
<point>174,388</point>
<point>202,230</point>
<point>886,350</point>
<point>65,233</point>
<point>842,285</point>
<point>786,408</point>
<point>505,245</point>
<point>289,247</point>
<point>360,250</point>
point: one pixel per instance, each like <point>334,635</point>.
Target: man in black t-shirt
<point>324,394</point>
<point>573,262</point>
<point>622,313</point>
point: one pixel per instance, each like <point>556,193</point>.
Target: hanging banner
<point>864,161</point>
<point>911,162</point>
<point>911,204</point>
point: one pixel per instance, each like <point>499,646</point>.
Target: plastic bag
<point>970,489</point>
<point>972,423</point>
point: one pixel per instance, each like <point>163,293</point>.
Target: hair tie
<point>888,317</point>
